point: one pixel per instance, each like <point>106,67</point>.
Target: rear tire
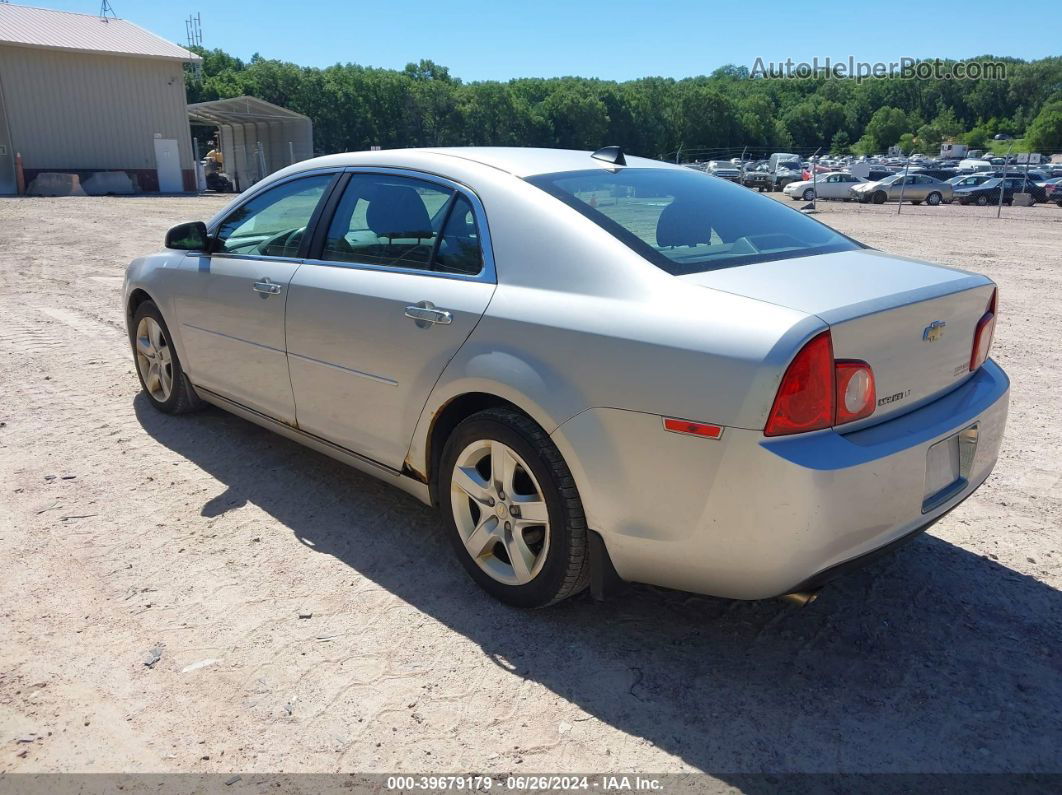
<point>157,365</point>
<point>982,201</point>
<point>493,463</point>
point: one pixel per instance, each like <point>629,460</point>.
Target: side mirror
<point>191,236</point>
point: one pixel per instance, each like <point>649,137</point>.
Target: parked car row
<point>979,189</point>
<point>877,180</point>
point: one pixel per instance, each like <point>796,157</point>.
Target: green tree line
<point>354,107</point>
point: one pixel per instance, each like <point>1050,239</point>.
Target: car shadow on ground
<point>933,659</point>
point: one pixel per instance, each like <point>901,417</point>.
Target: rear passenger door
<point>396,281</point>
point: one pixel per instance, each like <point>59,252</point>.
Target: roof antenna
<point>107,11</point>
<point>611,154</point>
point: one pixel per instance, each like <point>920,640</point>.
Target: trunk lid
<point>911,321</point>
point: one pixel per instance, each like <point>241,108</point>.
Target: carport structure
<point>257,137</point>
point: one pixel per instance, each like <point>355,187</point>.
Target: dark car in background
<point>758,176</point>
<point>988,192</point>
<point>943,174</point>
<point>1053,189</point>
<point>968,180</point>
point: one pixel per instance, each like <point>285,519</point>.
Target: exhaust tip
<point>800,598</point>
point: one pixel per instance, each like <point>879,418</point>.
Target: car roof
<point>528,161</point>
<point>519,161</point>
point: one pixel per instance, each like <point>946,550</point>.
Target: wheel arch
<point>442,424</point>
<point>484,375</point>
<point>137,296</point>
<point>605,582</point>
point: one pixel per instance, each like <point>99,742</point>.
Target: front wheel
<point>933,199</point>
<point>515,517</point>
<point>879,197</point>
<point>982,201</point>
<point>809,195</point>
<point>157,363</point>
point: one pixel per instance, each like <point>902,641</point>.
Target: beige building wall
<point>71,111</point>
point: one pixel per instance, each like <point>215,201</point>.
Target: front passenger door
<point>231,301</point>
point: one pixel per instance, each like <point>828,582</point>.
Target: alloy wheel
<point>154,359</point>
<point>500,512</point>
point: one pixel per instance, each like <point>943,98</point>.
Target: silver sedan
<point>600,368</point>
<point>914,188</point>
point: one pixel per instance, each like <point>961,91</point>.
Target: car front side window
<point>273,223</point>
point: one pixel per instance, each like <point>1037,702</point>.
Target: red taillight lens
<point>817,392</point>
<point>805,397</point>
<point>982,342</point>
<point>856,397</point>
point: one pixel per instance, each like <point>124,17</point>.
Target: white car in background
<point>825,186</point>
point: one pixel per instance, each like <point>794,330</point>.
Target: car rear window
<point>684,221</point>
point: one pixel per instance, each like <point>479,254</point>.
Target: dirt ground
<point>207,539</point>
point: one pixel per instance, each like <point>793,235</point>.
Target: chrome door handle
<point>266,287</point>
<point>426,314</point>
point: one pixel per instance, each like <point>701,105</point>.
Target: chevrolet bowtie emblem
<point>934,331</point>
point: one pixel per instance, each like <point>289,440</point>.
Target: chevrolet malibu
<point>914,188</point>
<point>599,368</point>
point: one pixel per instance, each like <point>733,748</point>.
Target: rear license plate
<point>947,467</point>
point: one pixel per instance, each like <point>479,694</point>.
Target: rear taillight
<point>856,397</point>
<point>805,397</point>
<point>818,392</point>
<point>982,341</point>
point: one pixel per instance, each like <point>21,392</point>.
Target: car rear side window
<point>687,222</point>
<point>387,220</point>
<point>459,247</point>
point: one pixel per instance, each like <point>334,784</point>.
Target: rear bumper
<point>749,517</point>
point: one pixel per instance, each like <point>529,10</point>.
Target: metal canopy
<point>257,137</point>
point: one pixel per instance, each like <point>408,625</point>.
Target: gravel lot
<point>205,538</point>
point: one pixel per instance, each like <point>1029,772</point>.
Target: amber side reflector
<point>693,428</point>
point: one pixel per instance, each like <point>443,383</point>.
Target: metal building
<point>256,137</point>
<point>83,94</point>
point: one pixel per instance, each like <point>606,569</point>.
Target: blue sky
<point>618,40</point>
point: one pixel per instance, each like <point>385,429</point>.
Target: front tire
<point>515,518</point>
<point>982,201</point>
<point>157,364</point>
<point>933,199</point>
<point>809,195</point>
<point>879,197</point>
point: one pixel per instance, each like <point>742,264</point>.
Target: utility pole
<point>1003,179</point>
<point>903,183</point>
<point>814,178</point>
